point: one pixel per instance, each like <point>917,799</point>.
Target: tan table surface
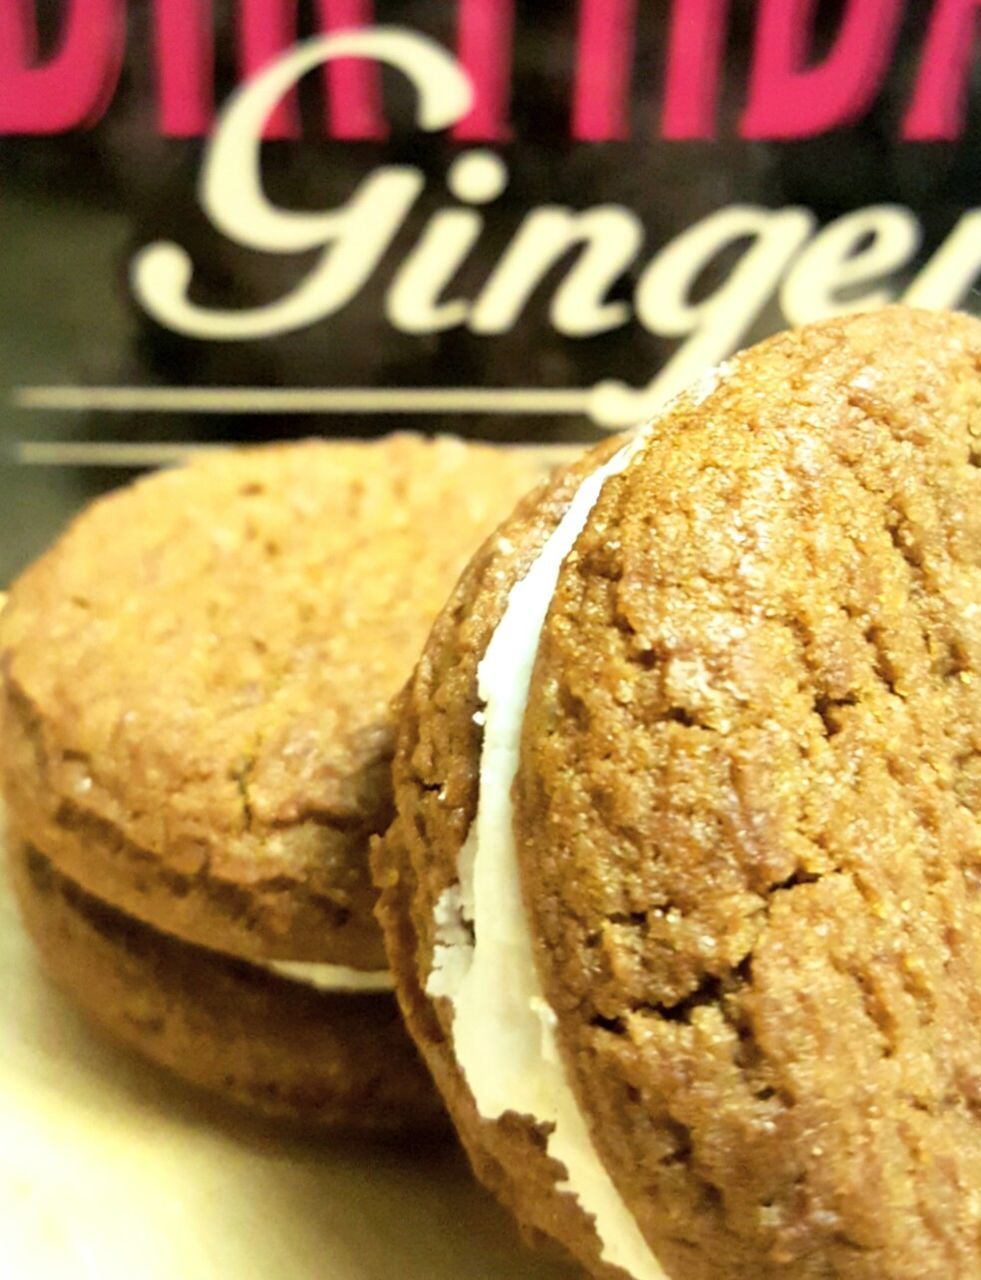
<point>109,1171</point>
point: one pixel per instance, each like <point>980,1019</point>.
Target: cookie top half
<point>720,841</point>
<point>197,679</point>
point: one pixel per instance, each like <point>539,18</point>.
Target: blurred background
<point>78,204</point>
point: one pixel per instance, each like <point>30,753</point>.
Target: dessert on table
<point>196,682</point>
<point>681,896</point>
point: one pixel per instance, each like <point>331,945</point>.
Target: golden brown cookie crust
<point>197,677</point>
<point>748,814</point>
<point>271,1045</point>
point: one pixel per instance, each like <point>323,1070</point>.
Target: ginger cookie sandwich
<point>682,895</point>
<point>196,745</point>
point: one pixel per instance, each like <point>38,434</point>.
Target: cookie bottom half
<point>277,1047</point>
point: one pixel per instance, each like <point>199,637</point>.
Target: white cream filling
<point>328,977</point>
<point>504,1031</point>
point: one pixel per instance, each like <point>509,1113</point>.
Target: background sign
<point>241,221</point>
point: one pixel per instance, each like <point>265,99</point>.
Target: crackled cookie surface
<point>196,724</point>
<point>739,861</point>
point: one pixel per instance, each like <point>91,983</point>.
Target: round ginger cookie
<point>682,891</point>
<point>196,715</point>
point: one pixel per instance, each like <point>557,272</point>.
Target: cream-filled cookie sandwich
<point>681,895</point>
<point>196,745</point>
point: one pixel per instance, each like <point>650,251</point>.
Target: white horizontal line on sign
<point>531,400</point>
<point>106,453</point>
<point>98,453</point>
